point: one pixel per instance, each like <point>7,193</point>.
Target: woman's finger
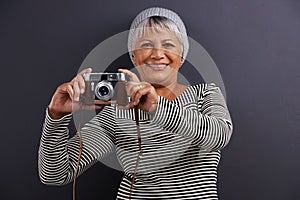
<point>76,90</point>
<point>141,91</point>
<point>70,91</point>
<point>87,70</point>
<point>77,85</point>
<point>81,83</point>
<point>132,76</point>
<point>133,87</point>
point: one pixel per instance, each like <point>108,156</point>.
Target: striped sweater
<point>181,145</point>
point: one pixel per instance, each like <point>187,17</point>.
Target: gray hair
<point>156,24</point>
<point>156,19</point>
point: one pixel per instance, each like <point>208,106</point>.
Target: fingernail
<point>82,91</point>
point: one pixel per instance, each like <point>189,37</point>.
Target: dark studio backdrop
<point>255,45</point>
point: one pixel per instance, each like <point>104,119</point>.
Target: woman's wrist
<point>55,114</point>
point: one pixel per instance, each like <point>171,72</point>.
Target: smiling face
<point>157,56</point>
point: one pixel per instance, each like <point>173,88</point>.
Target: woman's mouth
<point>157,67</point>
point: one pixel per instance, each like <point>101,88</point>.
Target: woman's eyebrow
<point>145,40</point>
<point>166,40</point>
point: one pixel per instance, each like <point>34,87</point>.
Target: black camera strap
<point>136,114</point>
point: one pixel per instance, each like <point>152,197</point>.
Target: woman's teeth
<point>160,66</point>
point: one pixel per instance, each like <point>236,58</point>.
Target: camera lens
<point>104,91</point>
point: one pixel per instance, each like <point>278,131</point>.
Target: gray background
<point>254,43</point>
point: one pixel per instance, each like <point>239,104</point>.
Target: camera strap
<point>80,151</point>
<point>136,114</point>
<point>140,153</point>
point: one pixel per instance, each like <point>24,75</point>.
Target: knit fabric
<point>181,146</point>
<point>162,12</point>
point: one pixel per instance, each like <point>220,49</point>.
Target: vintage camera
<point>105,88</point>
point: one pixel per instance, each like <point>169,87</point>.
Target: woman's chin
<point>158,81</point>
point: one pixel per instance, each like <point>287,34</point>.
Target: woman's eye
<point>168,45</point>
<point>146,45</point>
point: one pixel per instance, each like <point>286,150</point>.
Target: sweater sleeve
<point>58,155</point>
<point>210,125</point>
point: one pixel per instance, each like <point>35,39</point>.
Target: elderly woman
<point>181,128</point>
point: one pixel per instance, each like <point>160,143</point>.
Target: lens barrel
<point>104,91</point>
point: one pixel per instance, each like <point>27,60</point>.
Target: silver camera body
<point>108,88</point>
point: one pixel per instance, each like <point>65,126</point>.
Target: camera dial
<point>104,90</point>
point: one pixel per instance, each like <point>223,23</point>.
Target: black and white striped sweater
<point>181,146</point>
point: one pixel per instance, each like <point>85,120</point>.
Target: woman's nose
<point>157,53</point>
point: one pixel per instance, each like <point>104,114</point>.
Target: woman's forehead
<point>154,34</point>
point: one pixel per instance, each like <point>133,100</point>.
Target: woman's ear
<point>133,59</point>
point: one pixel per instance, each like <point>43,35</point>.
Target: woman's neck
<point>171,92</point>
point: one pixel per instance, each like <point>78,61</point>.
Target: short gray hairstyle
<point>156,19</point>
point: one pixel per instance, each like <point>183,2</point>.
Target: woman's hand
<point>66,98</point>
<point>142,94</point>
